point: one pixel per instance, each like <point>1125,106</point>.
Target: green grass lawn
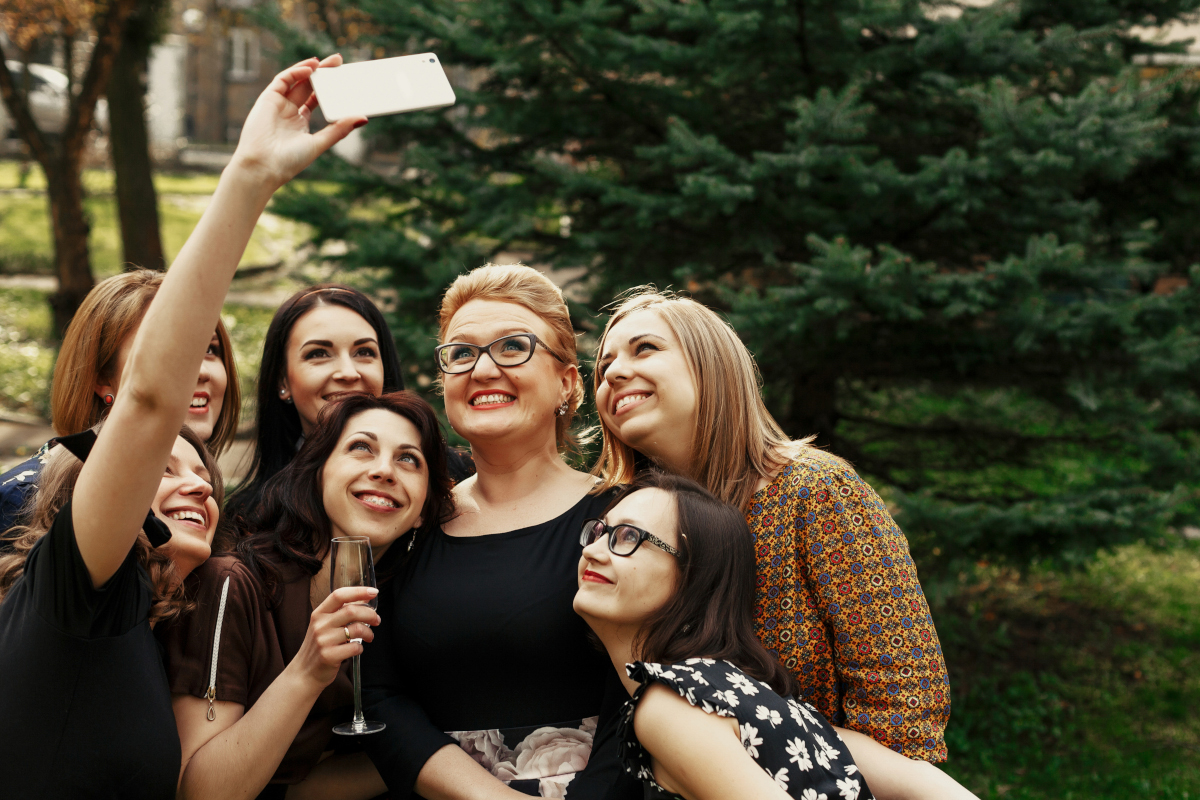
<point>26,245</point>
<point>1079,685</point>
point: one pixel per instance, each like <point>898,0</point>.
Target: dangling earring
<point>561,411</point>
<point>108,399</point>
<point>283,396</point>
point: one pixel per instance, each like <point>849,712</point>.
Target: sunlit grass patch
<point>1078,685</point>
<point>26,352</point>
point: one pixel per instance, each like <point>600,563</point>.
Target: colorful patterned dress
<point>840,605</point>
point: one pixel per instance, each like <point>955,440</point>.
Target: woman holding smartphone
<point>92,716</point>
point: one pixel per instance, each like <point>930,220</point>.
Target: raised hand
<point>275,143</point>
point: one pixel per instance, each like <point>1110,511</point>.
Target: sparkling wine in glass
<point>351,565</point>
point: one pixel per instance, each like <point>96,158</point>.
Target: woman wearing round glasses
<point>481,669</point>
<point>711,713</point>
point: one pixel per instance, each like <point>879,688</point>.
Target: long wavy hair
<point>737,441</point>
<point>56,486</point>
<point>109,315</point>
<point>277,423</point>
<point>290,525</point>
<point>711,613</point>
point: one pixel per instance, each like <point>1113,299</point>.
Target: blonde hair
<point>55,486</point>
<point>525,286</point>
<point>109,315</point>
<point>737,441</point>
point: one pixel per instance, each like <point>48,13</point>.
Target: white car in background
<point>48,100</point>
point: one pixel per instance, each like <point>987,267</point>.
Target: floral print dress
<point>788,738</point>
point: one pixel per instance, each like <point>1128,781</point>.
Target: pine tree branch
<point>592,79</point>
<point>954,429</point>
<point>802,36</point>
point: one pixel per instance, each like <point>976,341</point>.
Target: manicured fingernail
<point>373,590</point>
<point>360,123</point>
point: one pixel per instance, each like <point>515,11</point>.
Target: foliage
<point>26,354</point>
<point>1077,685</point>
<point>951,234</point>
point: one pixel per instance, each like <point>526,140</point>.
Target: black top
<point>479,646</point>
<point>85,711</point>
<point>788,738</point>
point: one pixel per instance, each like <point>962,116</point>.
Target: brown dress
<point>258,639</point>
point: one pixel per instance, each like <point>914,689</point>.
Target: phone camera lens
<point>431,61</point>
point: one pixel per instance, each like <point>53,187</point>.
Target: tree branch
<point>83,106</point>
<point>18,109</point>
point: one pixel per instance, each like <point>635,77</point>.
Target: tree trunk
<point>137,202</point>
<point>64,191</point>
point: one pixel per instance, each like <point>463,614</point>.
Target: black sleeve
<point>410,739</point>
<point>604,778</point>
<point>63,593</point>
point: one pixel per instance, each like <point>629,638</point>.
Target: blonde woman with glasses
<point>484,674</point>
<point>838,600</point>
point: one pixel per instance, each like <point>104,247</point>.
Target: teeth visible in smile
<point>490,399</point>
<point>376,500</point>
<point>630,398</point>
<point>194,516</point>
<point>199,402</point>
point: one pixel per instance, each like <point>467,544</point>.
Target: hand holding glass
<point>351,565</point>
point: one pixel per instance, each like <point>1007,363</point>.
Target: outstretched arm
<point>891,776</point>
<point>121,476</point>
<point>697,754</point>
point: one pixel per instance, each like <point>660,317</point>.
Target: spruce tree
<point>959,239</point>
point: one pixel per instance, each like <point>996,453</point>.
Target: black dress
<point>789,739</point>
<point>479,647</point>
<point>85,710</point>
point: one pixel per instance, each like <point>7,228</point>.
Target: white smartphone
<point>383,86</point>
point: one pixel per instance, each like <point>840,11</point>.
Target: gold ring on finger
<point>347,630</point>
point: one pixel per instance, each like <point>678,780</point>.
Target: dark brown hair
<point>290,526</point>
<point>278,423</point>
<point>711,614</point>
<point>56,485</point>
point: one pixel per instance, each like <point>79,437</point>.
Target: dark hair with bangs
<point>711,613</point>
<point>290,525</point>
<point>278,423</point>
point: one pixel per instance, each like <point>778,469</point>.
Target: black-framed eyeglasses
<point>623,540</point>
<point>512,350</point>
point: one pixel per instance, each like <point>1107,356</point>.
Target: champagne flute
<point>351,565</point>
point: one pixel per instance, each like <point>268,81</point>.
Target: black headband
<point>80,444</point>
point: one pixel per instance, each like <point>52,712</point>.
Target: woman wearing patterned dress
<point>838,601</point>
<point>666,581</point>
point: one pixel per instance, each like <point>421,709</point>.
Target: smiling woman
<point>88,375</point>
<point>371,466</point>
<point>324,342</point>
<point>496,581</point>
